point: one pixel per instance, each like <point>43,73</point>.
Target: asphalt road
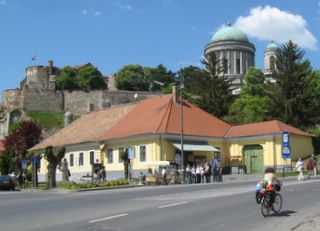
<point>227,206</point>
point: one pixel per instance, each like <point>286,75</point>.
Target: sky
<point>113,33</point>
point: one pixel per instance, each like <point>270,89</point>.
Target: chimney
<point>50,65</point>
<point>174,94</point>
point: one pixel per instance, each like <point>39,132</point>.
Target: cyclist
<point>270,182</point>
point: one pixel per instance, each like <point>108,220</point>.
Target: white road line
<point>171,205</point>
<point>108,218</point>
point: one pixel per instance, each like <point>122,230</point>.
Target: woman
<point>300,168</point>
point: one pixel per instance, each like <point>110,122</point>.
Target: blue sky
<point>113,33</point>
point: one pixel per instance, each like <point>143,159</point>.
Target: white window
<point>81,159</point>
<point>71,160</point>
<point>91,157</point>
<point>120,150</point>
<point>142,153</point>
<point>110,156</point>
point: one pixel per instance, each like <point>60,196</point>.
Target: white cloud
<point>97,13</point>
<point>126,7</point>
<point>270,23</point>
<point>2,2</point>
<point>92,12</point>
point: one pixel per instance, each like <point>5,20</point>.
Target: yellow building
<point>151,129</point>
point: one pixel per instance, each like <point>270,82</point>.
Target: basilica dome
<point>229,32</point>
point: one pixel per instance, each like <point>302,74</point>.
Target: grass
<point>48,120</point>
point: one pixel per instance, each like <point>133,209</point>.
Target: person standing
<point>315,163</point>
<point>310,167</point>
<point>164,176</point>
<point>65,170</point>
<point>300,168</point>
<point>188,173</point>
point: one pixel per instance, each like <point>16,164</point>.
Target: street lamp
<point>181,126</point>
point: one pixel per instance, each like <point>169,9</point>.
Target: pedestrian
<point>220,170</point>
<point>65,170</point>
<point>188,173</point>
<point>164,176</point>
<point>310,167</point>
<point>300,168</point>
<point>202,173</point>
<point>215,170</point>
<point>198,174</point>
<point>315,163</point>
<point>102,174</point>
<point>193,174</point>
<point>207,171</point>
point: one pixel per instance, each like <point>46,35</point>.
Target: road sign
<point>35,160</point>
<point>24,164</point>
<point>286,150</point>
<point>131,152</point>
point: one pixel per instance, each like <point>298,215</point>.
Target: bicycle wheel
<point>265,208</point>
<point>277,204</point>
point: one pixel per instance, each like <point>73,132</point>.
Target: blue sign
<point>286,150</point>
<point>35,160</point>
<point>131,152</point>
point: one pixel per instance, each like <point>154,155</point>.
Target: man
<point>315,163</point>
<point>310,167</point>
<point>65,170</point>
<point>164,175</point>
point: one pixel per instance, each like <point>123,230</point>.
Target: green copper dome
<point>229,32</point>
<point>272,47</point>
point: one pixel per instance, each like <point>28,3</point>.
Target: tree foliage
<point>210,87</point>
<point>294,96</point>
<point>86,78</point>
<point>252,103</point>
<point>139,78</point>
<point>24,137</point>
<point>124,156</point>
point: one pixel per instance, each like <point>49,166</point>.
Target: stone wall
<point>42,100</point>
<point>11,99</point>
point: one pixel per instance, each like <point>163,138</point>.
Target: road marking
<point>316,189</point>
<point>108,218</point>
<point>171,205</point>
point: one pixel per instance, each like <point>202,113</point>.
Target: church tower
<point>270,56</point>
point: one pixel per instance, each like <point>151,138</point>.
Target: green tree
<point>7,161</point>
<point>132,78</point>
<point>252,103</point>
<point>126,160</point>
<point>210,86</point>
<point>27,134</point>
<point>294,96</point>
<point>66,79</point>
<point>90,78</point>
<point>160,74</point>
<point>54,158</point>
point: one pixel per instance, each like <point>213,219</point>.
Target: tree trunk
<point>126,169</point>
<point>52,167</point>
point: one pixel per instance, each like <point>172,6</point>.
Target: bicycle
<point>270,199</point>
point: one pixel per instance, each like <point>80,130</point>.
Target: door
<point>253,159</point>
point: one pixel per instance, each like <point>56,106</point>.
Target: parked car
<point>7,183</point>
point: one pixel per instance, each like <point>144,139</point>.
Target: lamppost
<point>181,126</point>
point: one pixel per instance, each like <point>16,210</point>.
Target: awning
<point>196,147</point>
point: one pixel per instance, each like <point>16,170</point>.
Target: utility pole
<point>181,126</point>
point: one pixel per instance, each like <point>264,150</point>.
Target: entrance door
<point>253,158</point>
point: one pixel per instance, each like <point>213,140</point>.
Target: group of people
<point>311,167</point>
<point>202,173</point>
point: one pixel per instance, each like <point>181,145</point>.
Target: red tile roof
<point>87,128</point>
<point>162,115</point>
<point>2,149</point>
<point>263,128</point>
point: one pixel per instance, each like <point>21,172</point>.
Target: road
<point>227,206</point>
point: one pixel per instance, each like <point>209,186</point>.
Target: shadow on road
<point>285,213</point>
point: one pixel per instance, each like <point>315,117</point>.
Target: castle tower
<point>232,45</point>
<point>270,56</point>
